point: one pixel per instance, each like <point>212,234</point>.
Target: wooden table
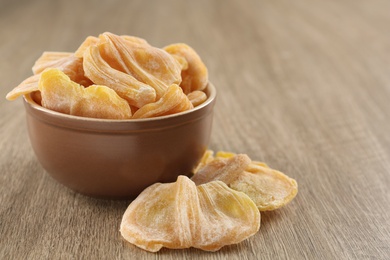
<point>303,86</point>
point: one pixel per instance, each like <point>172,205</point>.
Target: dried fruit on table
<point>268,188</point>
<point>195,77</point>
<point>224,154</point>
<point>61,94</point>
<point>197,97</point>
<point>182,215</point>
<point>173,101</point>
<point>222,169</point>
<point>207,157</point>
<point>135,92</point>
<point>251,167</point>
<point>150,65</point>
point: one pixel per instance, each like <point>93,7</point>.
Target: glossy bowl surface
<point>118,158</point>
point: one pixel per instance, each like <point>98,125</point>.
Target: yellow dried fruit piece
<point>197,97</point>
<point>92,40</point>
<point>195,77</point>
<point>148,64</point>
<point>173,101</point>
<point>253,164</point>
<point>68,63</point>
<point>182,61</point>
<point>207,157</point>
<point>268,188</point>
<point>182,215</point>
<point>61,94</point>
<point>222,169</point>
<point>27,86</point>
<point>224,154</point>
<point>135,92</point>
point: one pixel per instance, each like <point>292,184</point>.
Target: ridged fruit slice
<point>61,94</point>
<point>182,215</point>
<point>100,72</point>
<point>148,64</point>
<point>173,101</point>
<point>69,64</point>
<point>195,77</point>
<point>268,188</point>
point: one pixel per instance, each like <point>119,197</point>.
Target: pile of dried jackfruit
<point>118,77</point>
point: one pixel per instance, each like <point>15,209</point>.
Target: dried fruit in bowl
<point>61,94</point>
<point>268,188</point>
<point>182,215</point>
<point>138,72</point>
<point>195,77</point>
<point>68,63</point>
<point>173,101</point>
<point>197,97</point>
<point>135,92</point>
<point>150,65</point>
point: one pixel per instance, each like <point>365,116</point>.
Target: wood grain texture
<point>303,86</point>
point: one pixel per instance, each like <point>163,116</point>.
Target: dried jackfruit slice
<point>222,169</point>
<point>251,167</point>
<point>135,92</point>
<point>207,157</point>
<point>92,40</point>
<point>268,188</point>
<point>182,61</point>
<point>173,101</point>
<point>229,217</point>
<point>61,94</point>
<point>197,97</point>
<point>195,77</point>
<point>69,64</point>
<point>73,67</point>
<point>25,87</point>
<point>182,215</point>
<point>150,65</point>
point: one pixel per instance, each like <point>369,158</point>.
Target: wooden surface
<point>303,86</point>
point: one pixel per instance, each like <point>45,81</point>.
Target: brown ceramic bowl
<point>118,158</point>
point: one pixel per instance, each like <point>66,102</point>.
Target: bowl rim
<point>120,125</point>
